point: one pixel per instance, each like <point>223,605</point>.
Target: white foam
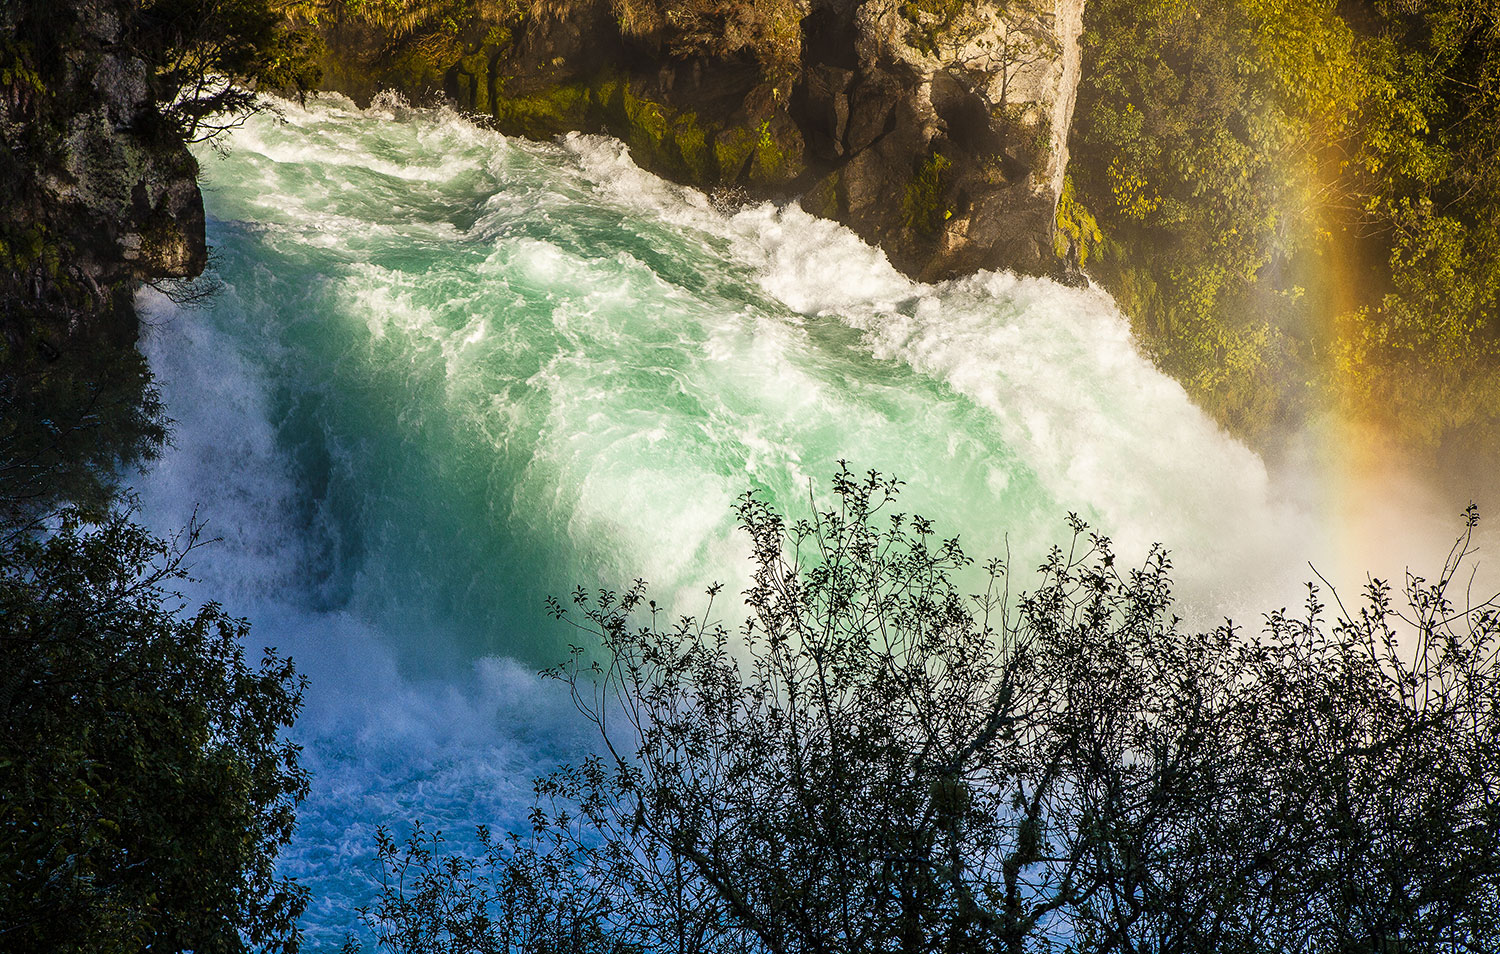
<point>1056,366</point>
<point>384,746</point>
<point>634,404</point>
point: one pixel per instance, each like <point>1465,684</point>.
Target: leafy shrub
<point>1318,184</point>
<point>875,760</point>
<point>146,787</point>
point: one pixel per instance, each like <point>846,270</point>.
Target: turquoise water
<point>447,374</point>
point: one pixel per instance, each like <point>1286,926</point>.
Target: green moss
<point>1076,226</point>
<point>769,157</point>
<point>692,146</point>
<point>474,77</point>
<point>780,149</point>
<point>545,113</point>
<point>609,93</point>
<point>659,137</point>
<point>646,117</point>
<point>475,64</point>
<point>497,39</point>
<point>23,247</point>
<point>766,155</point>
<point>675,143</point>
<point>647,126</point>
<point>732,152</point>
<point>413,71</point>
<point>823,199</point>
<point>922,207</point>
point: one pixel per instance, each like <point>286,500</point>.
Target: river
<point>445,374</point>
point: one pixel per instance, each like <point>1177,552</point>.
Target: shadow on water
<point>71,422</point>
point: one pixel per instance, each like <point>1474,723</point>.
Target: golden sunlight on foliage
<point>1299,204</point>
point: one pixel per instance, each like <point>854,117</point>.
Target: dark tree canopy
<point>876,760</point>
<point>146,785</point>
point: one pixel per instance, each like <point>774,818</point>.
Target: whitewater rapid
<point>446,374</point>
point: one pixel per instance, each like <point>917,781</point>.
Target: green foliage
<point>874,761</point>
<point>68,427</point>
<point>922,207</point>
<point>1078,232</point>
<point>1190,167</point>
<point>1317,183</point>
<point>526,894</point>
<point>210,56</point>
<point>146,787</point>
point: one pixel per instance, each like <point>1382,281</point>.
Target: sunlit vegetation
<point>1300,203</point>
<point>436,30</point>
<point>443,31</point>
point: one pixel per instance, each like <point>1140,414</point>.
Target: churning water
<point>448,373</point>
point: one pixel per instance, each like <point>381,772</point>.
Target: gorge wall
<point>936,129</point>
<point>99,194</point>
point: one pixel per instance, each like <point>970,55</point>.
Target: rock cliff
<point>98,195</point>
<point>934,128</point>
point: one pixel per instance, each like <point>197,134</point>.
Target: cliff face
<point>934,128</point>
<point>98,196</point>
<point>979,98</point>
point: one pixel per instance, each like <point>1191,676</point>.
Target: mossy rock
<point>473,81</point>
<point>646,127</point>
<point>661,138</point>
<point>413,71</point>
<point>733,153</point>
<point>767,155</point>
<point>778,151</point>
<point>675,143</point>
<point>693,149</point>
<point>544,114</point>
<point>826,199</point>
<point>924,209</point>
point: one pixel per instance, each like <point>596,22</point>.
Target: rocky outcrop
<point>934,128</point>
<point>98,195</point>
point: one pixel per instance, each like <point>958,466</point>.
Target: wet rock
<point>937,130</point>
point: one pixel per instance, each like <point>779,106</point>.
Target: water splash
<point>450,373</point>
